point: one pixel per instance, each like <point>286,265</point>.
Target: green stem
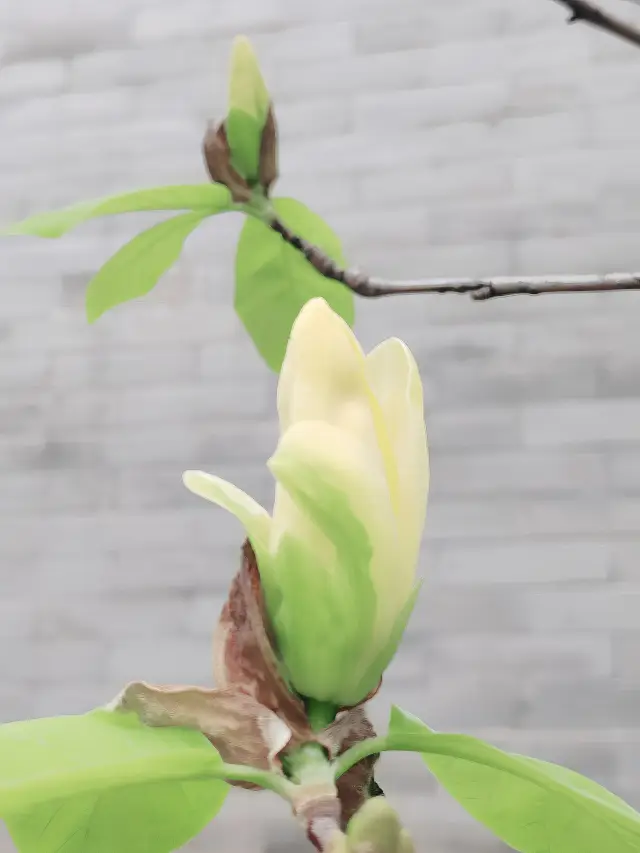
<point>361,750</point>
<point>266,779</point>
<point>320,714</point>
<point>309,765</point>
<point>260,207</point>
<point>315,798</point>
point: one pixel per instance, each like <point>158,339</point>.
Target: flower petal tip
<point>191,478</point>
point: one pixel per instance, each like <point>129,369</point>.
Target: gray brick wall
<point>470,137</point>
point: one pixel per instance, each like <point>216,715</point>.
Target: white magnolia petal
<point>395,380</point>
<point>323,368</point>
<point>323,462</point>
<point>323,378</point>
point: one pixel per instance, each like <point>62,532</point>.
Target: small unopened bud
<point>242,151</point>
<point>250,126</point>
<point>248,93</point>
<point>338,844</point>
<point>217,157</point>
<point>375,828</point>
<point>405,844</point>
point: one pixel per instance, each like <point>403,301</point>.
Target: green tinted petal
<point>253,517</point>
<point>325,501</point>
<point>304,622</point>
<point>326,620</point>
<point>374,671</point>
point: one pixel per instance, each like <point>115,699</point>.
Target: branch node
<point>482,293</point>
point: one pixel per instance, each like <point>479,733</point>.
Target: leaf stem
<point>266,779</point>
<point>400,742</point>
<point>259,207</point>
<point>361,750</point>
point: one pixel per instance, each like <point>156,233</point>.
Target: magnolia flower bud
<point>242,151</point>
<point>249,111</point>
<point>338,844</point>
<point>405,844</point>
<point>337,559</point>
<point>375,828</point>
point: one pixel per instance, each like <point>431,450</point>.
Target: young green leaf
<point>104,782</point>
<point>135,269</point>
<point>208,198</point>
<point>532,805</point>
<point>274,281</point>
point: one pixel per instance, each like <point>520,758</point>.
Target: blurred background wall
<point>468,137</point>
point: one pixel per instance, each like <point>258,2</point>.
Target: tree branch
<point>581,10</point>
<point>489,288</point>
<point>480,289</point>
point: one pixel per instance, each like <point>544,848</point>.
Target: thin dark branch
<point>537,285</point>
<point>480,289</point>
<point>581,10</point>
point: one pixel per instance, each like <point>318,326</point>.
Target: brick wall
<point>444,138</point>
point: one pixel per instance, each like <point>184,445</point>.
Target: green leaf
<point>532,805</point>
<point>208,198</point>
<point>105,783</point>
<point>403,723</point>
<point>274,281</point>
<point>135,269</point>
